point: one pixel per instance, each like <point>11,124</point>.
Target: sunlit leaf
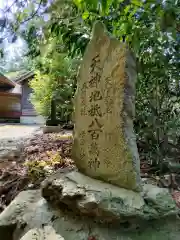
<point>85,15</point>
<point>138,3</point>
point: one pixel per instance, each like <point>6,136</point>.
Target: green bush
<point>59,83</point>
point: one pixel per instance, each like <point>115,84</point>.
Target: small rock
<point>30,186</point>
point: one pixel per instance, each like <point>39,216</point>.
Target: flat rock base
<point>29,211</point>
<point>106,202</point>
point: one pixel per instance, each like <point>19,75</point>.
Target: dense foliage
<point>152,31</point>
<point>57,81</point>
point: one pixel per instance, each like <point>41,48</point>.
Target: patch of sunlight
<point>11,126</point>
<point>66,136</point>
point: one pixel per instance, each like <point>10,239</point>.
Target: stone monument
<point>73,204</point>
<point>104,141</point>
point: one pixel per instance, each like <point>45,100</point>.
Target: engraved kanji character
<point>95,110</point>
<point>110,87</point>
<point>84,87</point>
<point>94,163</point>
<point>95,79</point>
<point>109,104</point>
<point>95,61</point>
<point>107,162</point>
<point>95,96</point>
<point>108,83</point>
<point>82,155</point>
<point>95,122</point>
<point>94,134</point>
<point>93,148</point>
<point>82,137</point>
<point>95,129</point>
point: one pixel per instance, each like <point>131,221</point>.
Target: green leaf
<point>137,3</point>
<point>105,4</point>
<point>78,3</point>
<point>126,10</point>
<point>85,15</point>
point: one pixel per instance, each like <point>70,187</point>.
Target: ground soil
<point>42,155</point>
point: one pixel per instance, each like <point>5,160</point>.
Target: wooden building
<point>10,99</point>
<point>28,113</point>
<point>15,102</point>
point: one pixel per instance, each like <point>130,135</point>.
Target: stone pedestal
<point>106,202</point>
<point>73,197</point>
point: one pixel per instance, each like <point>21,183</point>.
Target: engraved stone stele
<point>104,141</point>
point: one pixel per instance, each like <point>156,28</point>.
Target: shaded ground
<point>42,155</point>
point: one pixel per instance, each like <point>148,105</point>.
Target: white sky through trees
<point>7,8</point>
<point>12,51</point>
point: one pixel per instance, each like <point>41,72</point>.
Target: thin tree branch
<point>33,14</point>
<point>7,10</point>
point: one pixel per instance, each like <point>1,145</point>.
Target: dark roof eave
<point>7,81</point>
<point>24,77</point>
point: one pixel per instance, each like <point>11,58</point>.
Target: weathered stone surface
<point>108,202</point>
<point>73,227</point>
<point>13,214</point>
<point>46,233</point>
<point>27,211</point>
<point>104,141</point>
<point>159,198</point>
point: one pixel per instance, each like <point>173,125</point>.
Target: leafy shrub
<point>55,78</point>
<point>41,168</point>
